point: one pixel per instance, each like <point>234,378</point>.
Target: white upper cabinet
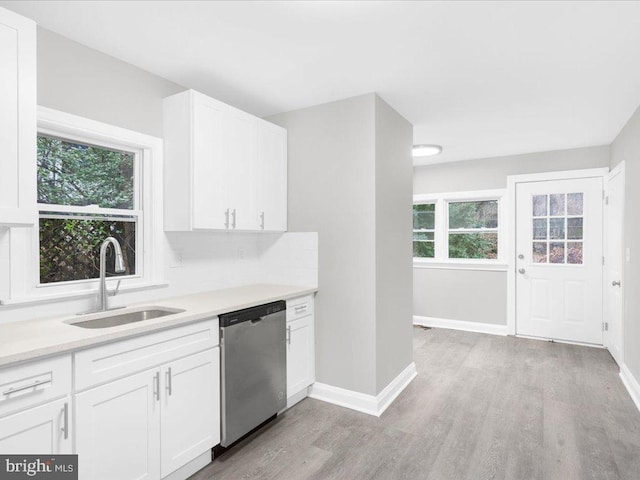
<point>224,168</point>
<point>17,120</point>
<point>272,188</point>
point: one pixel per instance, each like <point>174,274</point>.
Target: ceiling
<point>480,78</point>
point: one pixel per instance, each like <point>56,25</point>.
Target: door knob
<point>616,283</point>
<point>521,271</point>
<point>521,256</point>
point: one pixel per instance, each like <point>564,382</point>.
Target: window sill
<point>33,300</point>
<point>477,266</point>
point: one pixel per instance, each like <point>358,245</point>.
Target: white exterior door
<point>190,420</point>
<point>613,267</point>
<point>117,434</point>
<point>559,226</point>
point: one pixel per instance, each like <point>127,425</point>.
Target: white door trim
<point>620,169</point>
<point>512,182</point>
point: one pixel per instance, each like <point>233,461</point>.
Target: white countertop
<point>30,339</point>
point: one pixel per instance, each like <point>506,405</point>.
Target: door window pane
<point>539,205</point>
<point>556,203</point>
<point>556,252</point>
<point>574,229</point>
<point>556,228</point>
<point>539,252</point>
<point>574,252</point>
<point>574,203</point>
<point>540,228</point>
<point>563,224</point>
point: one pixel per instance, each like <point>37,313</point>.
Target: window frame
<point>430,229</point>
<point>441,258</point>
<point>68,211</point>
<point>23,244</point>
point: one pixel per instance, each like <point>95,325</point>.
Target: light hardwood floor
<point>481,407</point>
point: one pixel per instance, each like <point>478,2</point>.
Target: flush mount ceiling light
<point>426,150</point>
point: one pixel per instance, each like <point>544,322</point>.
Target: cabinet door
<point>242,162</point>
<point>210,180</point>
<point>190,421</point>
<point>39,430</point>
<point>17,120</point>
<point>300,355</point>
<point>272,188</point>
<point>118,429</point>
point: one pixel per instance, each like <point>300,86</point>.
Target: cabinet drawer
<point>32,383</point>
<point>299,307</point>
<point>114,360</point>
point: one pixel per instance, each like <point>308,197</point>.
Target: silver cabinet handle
<point>156,386</point>
<point>233,215</point>
<point>262,221</point>
<point>521,271</point>
<point>226,218</point>
<point>35,384</point>
<point>169,381</point>
<point>300,308</point>
<point>616,283</point>
<point>289,334</point>
<point>65,421</point>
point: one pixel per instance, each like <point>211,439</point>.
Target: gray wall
<point>79,80</point>
<point>481,296</point>
<point>342,184</point>
<point>490,173</point>
<point>331,191</point>
<point>394,283</point>
<point>626,147</point>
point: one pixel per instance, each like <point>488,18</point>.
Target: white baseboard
<point>490,328</point>
<point>361,402</point>
<point>632,385</point>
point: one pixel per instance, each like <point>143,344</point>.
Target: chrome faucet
<point>103,292</point>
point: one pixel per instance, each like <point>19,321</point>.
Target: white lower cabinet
<point>190,418</point>
<point>118,429</point>
<point>300,349</point>
<point>150,424</point>
<point>39,430</point>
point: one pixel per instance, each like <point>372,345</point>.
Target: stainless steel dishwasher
<point>253,368</point>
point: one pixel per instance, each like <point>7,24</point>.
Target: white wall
<point>82,81</point>
<point>480,296</point>
<point>626,147</point>
<point>350,180</point>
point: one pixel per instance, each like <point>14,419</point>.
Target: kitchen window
<point>459,230</point>
<point>86,193</point>
<point>94,180</point>
<point>424,230</point>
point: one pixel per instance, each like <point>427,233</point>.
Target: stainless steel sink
<point>108,319</point>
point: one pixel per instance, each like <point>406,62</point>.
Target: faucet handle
<point>113,293</point>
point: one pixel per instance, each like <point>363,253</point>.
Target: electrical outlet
<point>628,255</point>
<point>241,253</point>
